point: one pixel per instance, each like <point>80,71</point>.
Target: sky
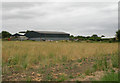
<point>76,18</point>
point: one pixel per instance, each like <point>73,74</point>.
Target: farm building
<point>19,36</point>
<point>46,35</point>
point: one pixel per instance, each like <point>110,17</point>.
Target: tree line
<point>94,37</point>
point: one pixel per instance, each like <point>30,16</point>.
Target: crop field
<point>57,61</point>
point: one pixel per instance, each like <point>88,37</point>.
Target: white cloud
<point>0,17</point>
<point>78,18</point>
<point>60,0</point>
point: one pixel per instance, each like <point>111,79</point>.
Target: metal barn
<point>19,36</point>
<point>47,35</point>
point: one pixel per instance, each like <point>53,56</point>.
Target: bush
<point>118,35</point>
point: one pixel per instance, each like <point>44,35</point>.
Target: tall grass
<point>0,60</point>
<point>29,53</point>
<point>103,63</point>
<point>114,60</point>
<point>110,77</point>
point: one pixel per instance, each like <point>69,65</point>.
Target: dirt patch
<point>73,70</point>
<point>68,70</point>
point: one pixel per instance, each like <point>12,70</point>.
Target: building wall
<point>22,38</point>
<point>54,39</point>
<point>32,34</point>
<point>40,36</point>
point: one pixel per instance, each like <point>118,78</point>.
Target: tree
<point>94,35</point>
<point>71,36</point>
<point>80,37</point>
<point>118,35</point>
<point>27,31</point>
<point>0,35</point>
<point>102,36</point>
<point>5,34</point>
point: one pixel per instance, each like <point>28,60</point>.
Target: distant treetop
<point>5,34</point>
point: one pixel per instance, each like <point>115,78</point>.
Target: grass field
<point>57,61</point>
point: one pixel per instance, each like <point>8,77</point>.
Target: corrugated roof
<point>21,33</point>
<point>51,32</point>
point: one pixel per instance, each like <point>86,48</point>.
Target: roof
<point>18,34</point>
<point>51,32</point>
<point>21,33</point>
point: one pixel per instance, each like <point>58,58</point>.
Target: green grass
<point>110,77</point>
<point>13,60</point>
<point>104,63</point>
<point>64,59</point>
<point>71,76</point>
<point>100,64</point>
<point>79,60</point>
<point>28,79</point>
<point>61,78</point>
<point>89,71</point>
<point>49,77</point>
<point>114,60</point>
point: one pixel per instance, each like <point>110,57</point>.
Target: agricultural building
<point>19,36</point>
<point>46,35</point>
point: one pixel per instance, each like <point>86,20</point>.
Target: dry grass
<point>32,53</point>
<point>23,58</point>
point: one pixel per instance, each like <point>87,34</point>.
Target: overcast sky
<point>76,18</point>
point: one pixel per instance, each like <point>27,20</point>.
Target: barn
<point>18,36</point>
<point>46,35</point>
